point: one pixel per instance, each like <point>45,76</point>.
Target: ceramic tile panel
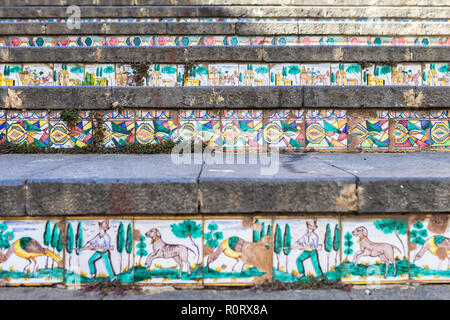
<point>436,74</point>
<point>429,245</point>
<point>37,75</point>
<point>315,74</point>
<point>345,74</point>
<point>282,41</point>
<point>62,135</point>
<point>165,41</point>
<point>10,75</point>
<point>31,252</point>
<point>98,249</point>
<point>117,41</point>
<point>407,74</point>
<point>164,75</point>
<point>285,129</point>
<point>374,250</point>
<point>125,76</point>
<point>100,75</point>
<point>69,41</point>
<point>389,41</point>
<point>27,127</point>
<point>214,40</point>
<point>69,74</point>
<point>138,41</point>
<point>2,126</point>
<point>284,74</point>
<point>223,75</point>
<point>409,130</point>
<point>240,40</point>
<point>377,75</point>
<point>4,42</point>
<point>168,251</point>
<point>154,126</point>
<point>200,126</point>
<point>242,129</point>
<point>119,128</point>
<point>369,130</point>
<point>185,41</point>
<point>47,41</point>
<point>440,129</point>
<point>19,41</point>
<point>306,248</point>
<point>253,75</point>
<point>196,75</point>
<point>91,41</point>
<point>237,250</point>
<point>326,130</point>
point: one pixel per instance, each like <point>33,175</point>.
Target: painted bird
<point>231,247</point>
<point>29,249</point>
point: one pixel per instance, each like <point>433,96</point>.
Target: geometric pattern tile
<point>27,127</point>
<point>154,126</point>
<point>284,129</point>
<point>242,129</point>
<point>326,130</point>
<point>2,127</point>
<point>440,129</point>
<point>77,136</point>
<point>119,128</point>
<point>199,126</point>
<point>409,131</point>
<point>369,130</point>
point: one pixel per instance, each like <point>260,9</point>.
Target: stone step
<point>352,97</point>
<point>243,28</point>
<point>358,3</point>
<point>229,12</point>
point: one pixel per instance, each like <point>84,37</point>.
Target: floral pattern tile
<point>374,250</point>
<point>168,251</point>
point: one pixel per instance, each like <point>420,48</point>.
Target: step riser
<point>232,11</point>
<point>289,129</point>
<point>334,258</point>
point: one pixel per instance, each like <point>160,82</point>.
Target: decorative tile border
<point>218,250</point>
<point>325,130</point>
<point>226,74</point>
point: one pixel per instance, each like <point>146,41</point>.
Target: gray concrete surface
<point>294,183</point>
<point>423,292</point>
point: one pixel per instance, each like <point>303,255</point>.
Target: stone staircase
<point>243,75</point>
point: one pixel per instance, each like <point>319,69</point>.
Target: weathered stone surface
<point>52,54</point>
<point>300,185</point>
<point>267,28</point>
<point>22,28</point>
<point>209,28</point>
<point>408,183</point>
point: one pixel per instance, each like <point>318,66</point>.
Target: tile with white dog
<point>374,250</point>
<point>168,251</point>
<point>98,249</point>
<point>306,248</point>
<point>429,248</point>
<point>235,251</point>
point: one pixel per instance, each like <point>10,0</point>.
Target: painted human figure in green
<point>309,243</point>
<point>101,244</point>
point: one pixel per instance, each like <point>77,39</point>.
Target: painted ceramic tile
<point>19,42</point>
<point>188,41</point>
<point>2,127</point>
<point>197,75</point>
<point>369,130</point>
<point>27,127</point>
<point>315,74</point>
<point>140,41</point>
<point>31,252</point>
<point>69,41</point>
<point>345,74</point>
<point>99,75</point>
<point>242,129</point>
<point>98,250</point>
<point>407,75</point>
<point>91,41</point>
<point>165,41</point>
<point>374,250</point>
<point>285,129</point>
<point>4,42</point>
<point>37,75</point>
<point>223,75</point>
<point>154,126</point>
<point>306,248</point>
<point>200,126</point>
<point>357,41</point>
<point>214,41</point>
<point>285,75</point>
<point>77,136</point>
<point>409,130</point>
<point>69,74</point>
<point>117,41</point>
<point>436,74</point>
<point>282,41</point>
<point>236,251</point>
<point>440,130</point>
<point>377,75</point>
<point>326,130</point>
<point>168,251</point>
<point>160,75</point>
<point>239,41</point>
<point>253,75</point>
<point>10,75</point>
<point>44,41</point>
<point>125,76</point>
<point>429,248</point>
<point>119,128</point>
<point>384,41</point>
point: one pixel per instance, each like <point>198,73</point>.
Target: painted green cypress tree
<point>47,239</point>
<point>278,245</point>
<point>337,242</point>
<point>120,242</point>
<point>328,244</point>
<point>79,241</point>
<point>55,239</point>
<point>287,244</point>
<point>129,243</point>
<point>70,243</point>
